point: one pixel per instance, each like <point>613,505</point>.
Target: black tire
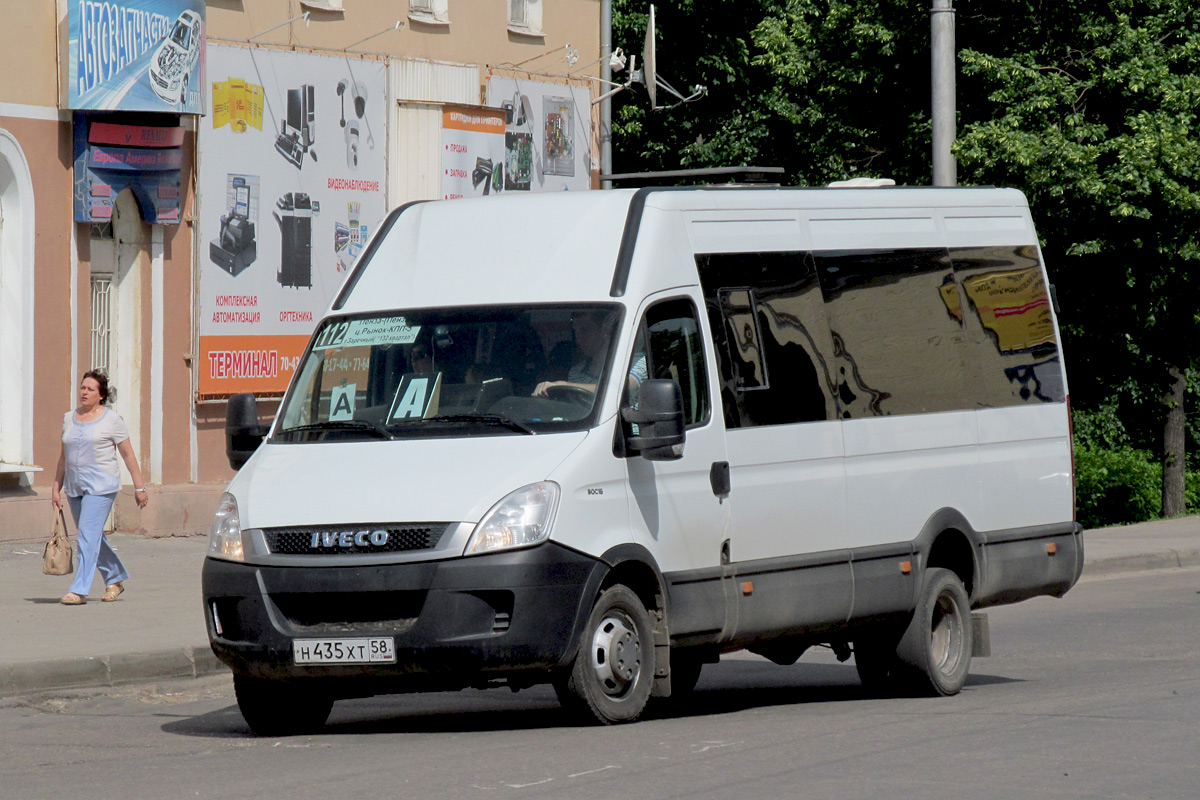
<point>936,646</point>
<point>614,668</point>
<point>272,708</point>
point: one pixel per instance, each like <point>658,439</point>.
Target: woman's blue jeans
<point>90,512</point>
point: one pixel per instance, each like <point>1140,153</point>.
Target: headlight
<point>225,535</point>
<point>521,519</point>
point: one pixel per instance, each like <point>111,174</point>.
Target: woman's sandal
<point>113,591</point>
<point>72,599</point>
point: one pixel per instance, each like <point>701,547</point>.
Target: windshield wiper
<point>344,424</point>
<point>487,419</point>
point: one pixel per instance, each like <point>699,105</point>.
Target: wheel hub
<point>616,656</point>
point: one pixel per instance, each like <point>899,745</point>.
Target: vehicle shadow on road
<point>729,687</point>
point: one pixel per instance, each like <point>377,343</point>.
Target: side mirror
<point>243,433</point>
<point>659,417</point>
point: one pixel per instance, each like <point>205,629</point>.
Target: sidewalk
<point>156,630</point>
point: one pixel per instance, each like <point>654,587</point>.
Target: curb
<point>85,672</point>
<point>30,677</point>
<point>1163,559</point>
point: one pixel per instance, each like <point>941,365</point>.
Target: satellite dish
<point>648,65</point>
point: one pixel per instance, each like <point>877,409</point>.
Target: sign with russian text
<point>111,157</point>
<point>136,55</point>
<point>472,151</point>
<point>291,189</point>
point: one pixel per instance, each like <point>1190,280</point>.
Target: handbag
<point>58,556</point>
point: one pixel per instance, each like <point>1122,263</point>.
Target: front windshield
<point>451,372</point>
<point>181,34</point>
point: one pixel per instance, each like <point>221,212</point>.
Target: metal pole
<point>945,171</point>
<point>606,103</point>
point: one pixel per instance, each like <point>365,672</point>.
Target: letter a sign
<point>341,402</point>
<point>414,396</point>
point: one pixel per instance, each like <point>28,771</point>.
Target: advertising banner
<point>472,151</point>
<point>110,157</point>
<point>291,185</point>
<point>136,55</point>
<point>547,138</point>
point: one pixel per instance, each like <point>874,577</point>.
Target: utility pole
<point>606,103</point>
<point>945,171</point>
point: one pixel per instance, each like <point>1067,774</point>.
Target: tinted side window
<point>1007,316</point>
<point>771,337</point>
<point>899,341</point>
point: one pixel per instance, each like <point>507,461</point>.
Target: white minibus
<point>598,439</point>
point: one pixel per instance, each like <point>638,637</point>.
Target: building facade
<point>183,186</point>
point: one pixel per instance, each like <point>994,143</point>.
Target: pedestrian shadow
<point>44,601</point>
<point>729,687</point>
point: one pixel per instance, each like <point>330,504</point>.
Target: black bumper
<point>456,623</point>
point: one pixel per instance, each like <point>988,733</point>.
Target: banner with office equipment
<point>548,134</point>
<point>291,185</point>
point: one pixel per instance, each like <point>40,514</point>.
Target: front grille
<point>355,539</point>
<point>350,612</point>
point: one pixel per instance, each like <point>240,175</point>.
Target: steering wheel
<point>571,394</point>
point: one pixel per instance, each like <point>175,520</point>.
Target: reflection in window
<point>1010,325</point>
<point>897,317</point>
<point>787,376</point>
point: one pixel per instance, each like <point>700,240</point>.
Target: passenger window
<point>897,324</point>
<point>1008,320</point>
<point>773,345</point>
<point>669,345</point>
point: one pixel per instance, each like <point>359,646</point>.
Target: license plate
<point>365,650</point>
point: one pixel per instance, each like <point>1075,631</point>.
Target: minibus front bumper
<point>455,623</point>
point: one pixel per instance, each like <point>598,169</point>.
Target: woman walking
<point>89,477</point>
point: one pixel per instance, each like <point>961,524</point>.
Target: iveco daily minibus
<point>598,439</point>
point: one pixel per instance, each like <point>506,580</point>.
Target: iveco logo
<point>348,539</point>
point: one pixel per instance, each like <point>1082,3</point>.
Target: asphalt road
<point>1093,696</point>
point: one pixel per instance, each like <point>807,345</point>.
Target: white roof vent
<point>862,183</point>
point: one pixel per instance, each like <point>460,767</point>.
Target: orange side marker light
<point>747,587</point>
<point>1051,549</point>
<point>906,567</point>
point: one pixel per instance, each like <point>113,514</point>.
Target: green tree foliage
<point>1093,113</point>
<point>827,90</point>
<point>1088,107</point>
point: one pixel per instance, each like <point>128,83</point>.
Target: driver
<point>591,335</point>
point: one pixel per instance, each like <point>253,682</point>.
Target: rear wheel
<point>936,646</point>
<point>274,708</point>
<point>614,668</point>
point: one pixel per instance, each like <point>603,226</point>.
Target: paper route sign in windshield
<point>358,332</point>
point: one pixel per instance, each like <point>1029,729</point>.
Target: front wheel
<point>936,646</point>
<point>614,668</point>
<point>273,708</point>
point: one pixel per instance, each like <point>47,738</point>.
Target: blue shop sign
<point>136,55</point>
<point>111,156</point>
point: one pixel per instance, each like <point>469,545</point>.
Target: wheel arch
<point>633,566</point>
<point>949,541</point>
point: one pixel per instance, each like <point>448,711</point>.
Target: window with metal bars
<point>102,288</point>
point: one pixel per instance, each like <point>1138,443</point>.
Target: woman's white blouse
<point>90,451</point>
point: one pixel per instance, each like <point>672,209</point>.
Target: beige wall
<point>193,474</point>
<point>28,52</point>
<point>477,32</point>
